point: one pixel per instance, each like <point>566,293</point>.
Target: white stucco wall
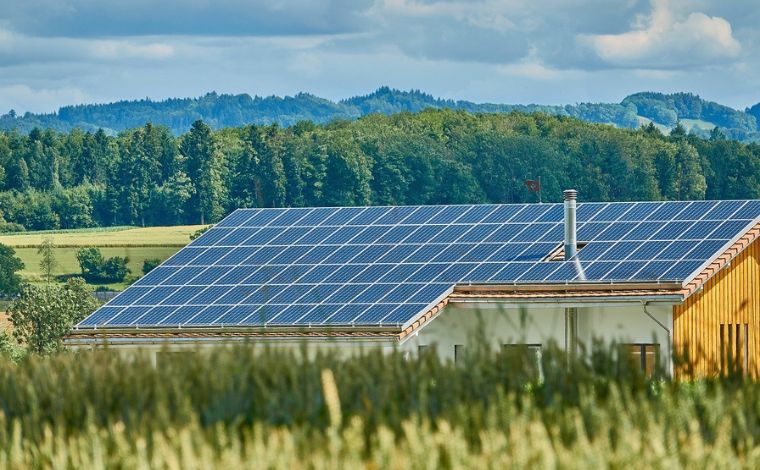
<point>459,324</point>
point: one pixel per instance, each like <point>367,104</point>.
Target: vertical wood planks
<point>731,297</point>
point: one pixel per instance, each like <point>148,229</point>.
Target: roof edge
<point>146,335</point>
<point>232,331</point>
<point>700,278</point>
<point>568,287</point>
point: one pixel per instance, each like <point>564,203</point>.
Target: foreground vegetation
<point>146,176</point>
<point>242,408</point>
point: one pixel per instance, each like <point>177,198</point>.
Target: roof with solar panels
<point>367,269</point>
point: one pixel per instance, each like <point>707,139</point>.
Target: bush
<point>41,316</point>
<point>90,262</point>
<point>199,232</point>
<point>9,348</point>
<point>11,227</point>
<point>95,268</point>
<point>10,264</point>
<point>150,264</point>
<point>115,269</point>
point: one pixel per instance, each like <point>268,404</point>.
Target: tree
<point>168,201</point>
<point>74,206</point>
<point>242,187</point>
<point>10,281</point>
<point>90,262</point>
<point>691,181</point>
<point>46,252</point>
<point>95,268</point>
<point>115,269</point>
<point>139,172</point>
<point>42,316</point>
<point>347,174</point>
<point>17,174</point>
<point>270,172</point>
<point>150,264</point>
<point>203,162</point>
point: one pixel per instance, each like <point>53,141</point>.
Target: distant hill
<point>664,110</point>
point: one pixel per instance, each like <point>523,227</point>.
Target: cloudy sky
<point>57,52</point>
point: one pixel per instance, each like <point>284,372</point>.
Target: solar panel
<point>368,266</point>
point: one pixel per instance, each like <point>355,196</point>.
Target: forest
<point>147,176</point>
<point>696,114</point>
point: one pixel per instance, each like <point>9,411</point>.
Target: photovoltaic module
<point>384,266</point>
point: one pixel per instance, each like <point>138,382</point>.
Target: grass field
<point>137,244</point>
<point>177,236</point>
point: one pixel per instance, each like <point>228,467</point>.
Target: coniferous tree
<point>138,171</point>
<point>203,167</point>
<point>270,172</point>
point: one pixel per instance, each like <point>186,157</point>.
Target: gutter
<point>136,341</point>
<point>506,300</point>
<point>668,335</point>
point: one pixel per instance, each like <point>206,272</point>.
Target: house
<point>657,277</point>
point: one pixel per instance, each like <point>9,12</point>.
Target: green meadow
<point>137,244</point>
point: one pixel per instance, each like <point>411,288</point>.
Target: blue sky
<point>58,52</point>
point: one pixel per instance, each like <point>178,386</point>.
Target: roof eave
<point>568,286</point>
<point>733,249</point>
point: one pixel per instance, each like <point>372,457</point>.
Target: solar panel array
<point>382,266</point>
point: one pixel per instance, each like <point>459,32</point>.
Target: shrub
<point>11,227</point>
<point>95,268</point>
<point>10,281</point>
<point>150,264</point>
<point>41,316</point>
<point>90,262</point>
<point>115,269</point>
<point>199,232</point>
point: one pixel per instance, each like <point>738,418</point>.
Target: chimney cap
<point>569,194</point>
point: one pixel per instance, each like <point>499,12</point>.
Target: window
<point>734,348</point>
<point>459,353</point>
<point>643,356</point>
<point>528,356</point>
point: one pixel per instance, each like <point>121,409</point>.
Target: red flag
<point>533,185</point>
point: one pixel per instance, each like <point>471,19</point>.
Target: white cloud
<point>514,51</point>
<point>115,50</point>
<point>533,68</point>
<point>18,49</point>
<point>662,40</point>
<point>25,98</point>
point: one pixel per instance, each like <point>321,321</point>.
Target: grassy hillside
<point>137,244</point>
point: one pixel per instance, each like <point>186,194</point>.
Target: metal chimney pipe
<point>571,240</point>
<point>571,249</point>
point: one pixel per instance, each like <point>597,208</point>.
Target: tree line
<point>225,110</point>
<point>147,176</point>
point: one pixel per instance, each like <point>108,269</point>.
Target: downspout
<point>667,335</point>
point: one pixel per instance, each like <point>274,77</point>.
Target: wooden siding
<point>730,298</point>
